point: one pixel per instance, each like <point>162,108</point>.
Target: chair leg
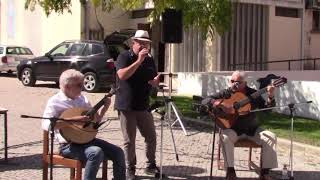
<point>249,162</point>
<point>79,172</point>
<point>261,162</point>
<point>72,173</point>
<point>44,170</point>
<point>105,170</point>
<point>219,163</point>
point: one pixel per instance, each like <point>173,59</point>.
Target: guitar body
<point>227,120</point>
<point>73,131</point>
<point>240,105</point>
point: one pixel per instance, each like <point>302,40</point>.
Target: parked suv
<point>92,58</point>
<point>10,56</point>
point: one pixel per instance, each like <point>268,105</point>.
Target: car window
<point>60,50</point>
<point>25,51</point>
<point>76,49</point>
<point>1,50</point>
<point>87,50</point>
<point>12,50</point>
<point>97,49</point>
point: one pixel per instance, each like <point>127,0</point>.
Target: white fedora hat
<point>142,35</point>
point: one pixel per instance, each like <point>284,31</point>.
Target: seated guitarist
<point>246,126</point>
<point>94,152</point>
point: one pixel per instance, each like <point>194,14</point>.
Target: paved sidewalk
<point>25,143</point>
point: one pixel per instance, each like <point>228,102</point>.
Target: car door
<point>74,54</point>
<point>47,67</point>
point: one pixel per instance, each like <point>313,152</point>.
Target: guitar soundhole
<point>84,113</point>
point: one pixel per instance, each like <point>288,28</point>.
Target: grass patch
<point>305,130</point>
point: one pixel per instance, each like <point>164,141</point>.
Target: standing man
<point>136,72</point>
<point>246,126</point>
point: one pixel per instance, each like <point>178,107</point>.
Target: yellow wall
<point>35,29</point>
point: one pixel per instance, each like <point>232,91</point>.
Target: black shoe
<point>231,174</point>
<point>153,170</point>
<point>130,174</point>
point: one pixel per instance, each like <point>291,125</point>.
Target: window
<point>97,49</point>
<point>12,50</point>
<point>60,50</point>
<point>316,21</point>
<point>76,49</point>
<point>287,12</point>
<point>86,51</point>
<point>1,50</point>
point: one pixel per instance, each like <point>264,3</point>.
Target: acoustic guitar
<point>240,103</point>
<point>82,132</point>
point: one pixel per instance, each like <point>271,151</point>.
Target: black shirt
<point>133,93</point>
<point>245,124</point>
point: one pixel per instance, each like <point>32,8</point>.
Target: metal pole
<point>302,35</point>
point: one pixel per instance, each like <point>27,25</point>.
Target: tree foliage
<point>209,15</point>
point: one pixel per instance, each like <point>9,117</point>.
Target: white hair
<point>70,76</point>
<point>241,74</point>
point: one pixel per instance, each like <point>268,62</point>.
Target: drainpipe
<point>302,35</point>
<point>86,19</point>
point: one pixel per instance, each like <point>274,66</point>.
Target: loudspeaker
<point>172,26</point>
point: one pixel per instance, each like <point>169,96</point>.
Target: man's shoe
<point>130,174</point>
<point>153,170</point>
<point>231,174</point>
<point>266,177</point>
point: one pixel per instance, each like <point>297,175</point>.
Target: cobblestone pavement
<point>194,150</point>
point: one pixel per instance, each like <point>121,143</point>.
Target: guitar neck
<point>96,107</point>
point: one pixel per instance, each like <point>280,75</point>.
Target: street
<point>25,142</point>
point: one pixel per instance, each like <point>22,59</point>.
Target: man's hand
<point>142,54</point>
<point>155,81</point>
<point>270,90</point>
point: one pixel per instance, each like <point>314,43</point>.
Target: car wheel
<point>27,78</point>
<point>90,82</point>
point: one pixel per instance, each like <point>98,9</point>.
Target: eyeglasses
<point>234,81</point>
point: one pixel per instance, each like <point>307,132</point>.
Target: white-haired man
<point>93,152</point>
<point>246,126</point>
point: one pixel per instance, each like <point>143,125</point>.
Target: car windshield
<point>61,50</point>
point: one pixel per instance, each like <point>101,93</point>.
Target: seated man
<point>246,125</point>
<point>94,152</point>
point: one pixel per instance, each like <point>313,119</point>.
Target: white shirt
<point>56,105</point>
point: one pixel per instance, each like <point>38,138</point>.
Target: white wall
<point>34,29</point>
<point>302,86</point>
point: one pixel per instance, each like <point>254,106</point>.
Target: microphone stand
<point>213,144</point>
<point>163,115</point>
<point>53,121</point>
<point>292,108</point>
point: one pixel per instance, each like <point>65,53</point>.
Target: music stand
<point>292,108</point>
<point>53,121</point>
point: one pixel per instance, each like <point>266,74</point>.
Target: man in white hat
<point>136,74</point>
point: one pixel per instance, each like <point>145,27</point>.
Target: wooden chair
<point>243,143</point>
<point>74,165</point>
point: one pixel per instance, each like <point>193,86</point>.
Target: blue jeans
<point>94,153</point>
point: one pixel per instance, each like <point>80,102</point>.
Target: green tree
<point>209,15</point>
